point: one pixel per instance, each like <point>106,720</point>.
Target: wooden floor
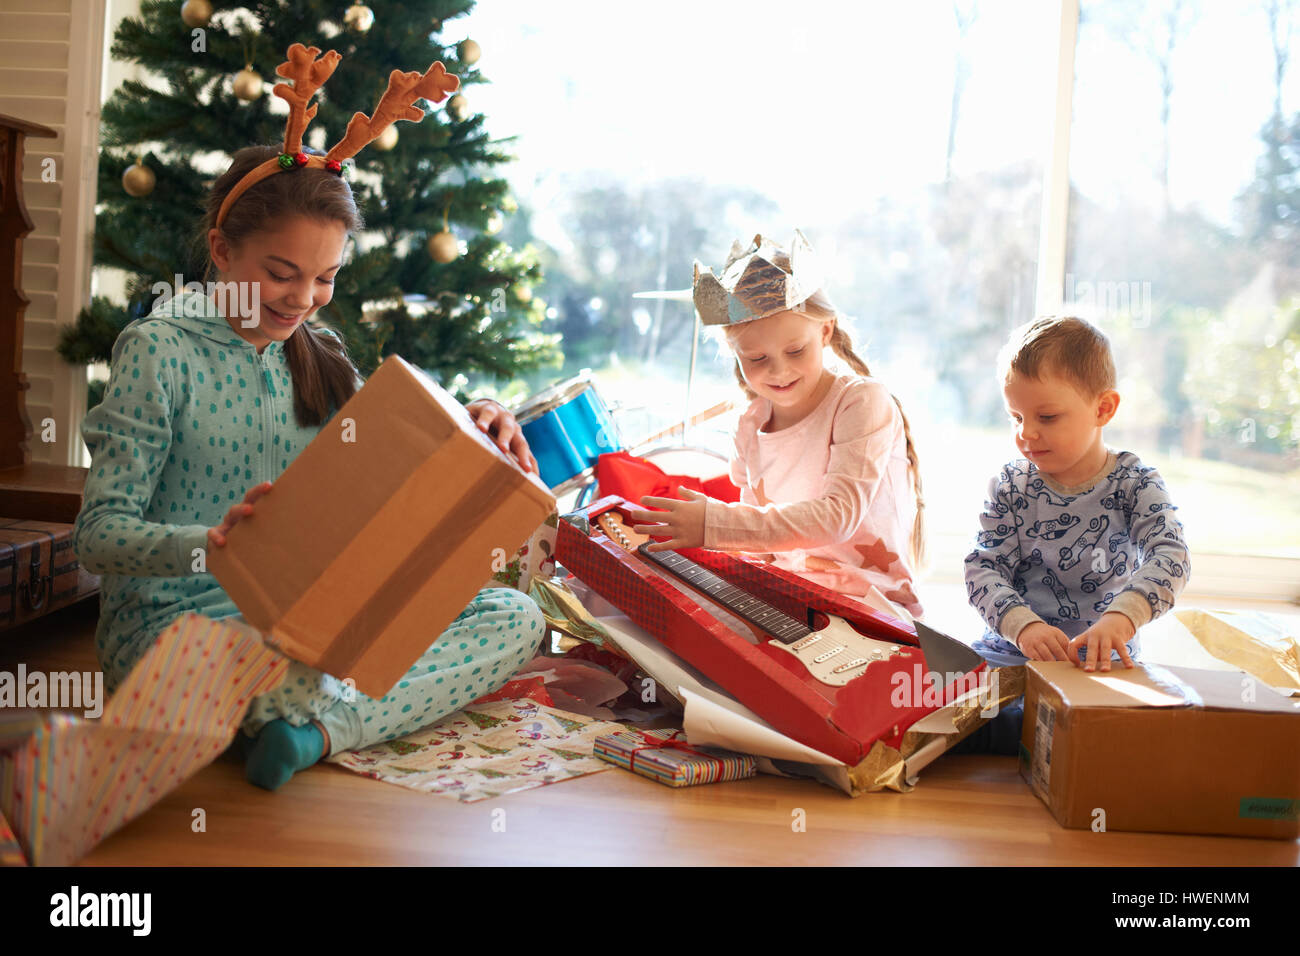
<point>965,810</point>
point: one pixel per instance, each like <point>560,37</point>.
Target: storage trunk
<point>39,572</point>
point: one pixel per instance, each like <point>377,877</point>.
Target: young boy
<point>1079,546</point>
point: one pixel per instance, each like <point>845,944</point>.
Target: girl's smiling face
<point>781,359</point>
<point>293,266</point>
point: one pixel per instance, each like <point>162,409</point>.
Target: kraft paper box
<point>380,532</point>
<point>1165,749</point>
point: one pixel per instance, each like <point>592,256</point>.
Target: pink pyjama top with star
<point>830,497</point>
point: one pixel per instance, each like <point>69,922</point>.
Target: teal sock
<point>281,751</point>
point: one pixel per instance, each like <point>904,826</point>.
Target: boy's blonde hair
<point>819,308</point>
<point>1060,345</point>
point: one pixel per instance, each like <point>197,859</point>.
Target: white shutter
<point>51,59</point>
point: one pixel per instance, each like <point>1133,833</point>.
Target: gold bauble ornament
<point>248,84</point>
<point>443,246</point>
<point>495,223</point>
<point>359,17</point>
<point>458,108</point>
<point>196,13</point>
<point>387,139</point>
<point>138,180</point>
<point>524,294</point>
<point>469,52</point>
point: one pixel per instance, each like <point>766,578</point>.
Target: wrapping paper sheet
<point>67,782</point>
<point>1266,646</point>
<point>487,750</point>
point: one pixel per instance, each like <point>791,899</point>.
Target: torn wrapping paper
<point>713,717</point>
<point>487,750</point>
<point>565,605</point>
<point>1266,646</point>
<point>67,782</point>
<point>669,758</point>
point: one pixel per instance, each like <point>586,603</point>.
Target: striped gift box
<point>66,782</point>
<point>665,756</point>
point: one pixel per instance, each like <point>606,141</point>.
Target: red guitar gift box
<point>861,677</point>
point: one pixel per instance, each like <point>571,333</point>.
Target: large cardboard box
<point>1167,749</point>
<point>380,532</point>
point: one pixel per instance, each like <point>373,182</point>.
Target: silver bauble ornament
<point>359,17</point>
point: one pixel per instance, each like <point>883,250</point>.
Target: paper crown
<point>309,74</point>
<point>753,286</point>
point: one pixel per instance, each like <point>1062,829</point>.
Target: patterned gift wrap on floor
<point>489,749</point>
<point>667,758</point>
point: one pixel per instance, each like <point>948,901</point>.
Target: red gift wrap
<point>843,722</point>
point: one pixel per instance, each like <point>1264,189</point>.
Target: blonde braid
<point>842,345</point>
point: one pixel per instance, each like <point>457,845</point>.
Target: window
<point>911,143</point>
<point>1183,248</point>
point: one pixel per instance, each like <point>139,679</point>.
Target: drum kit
<point>568,427</point>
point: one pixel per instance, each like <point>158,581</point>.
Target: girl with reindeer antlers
<point>208,404</point>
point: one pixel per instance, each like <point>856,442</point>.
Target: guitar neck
<point>780,625</point>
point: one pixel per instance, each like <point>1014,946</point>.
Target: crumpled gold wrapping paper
<point>1266,646</point>
<point>885,768</point>
<point>566,614</point>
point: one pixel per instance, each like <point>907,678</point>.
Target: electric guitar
<point>834,655</point>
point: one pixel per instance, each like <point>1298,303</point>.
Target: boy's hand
<point>1110,632</point>
<point>1040,641</point>
<point>681,521</point>
<point>495,420</point>
<point>217,535</point>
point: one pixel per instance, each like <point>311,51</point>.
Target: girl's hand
<point>681,521</point>
<point>1040,641</point>
<point>495,420</point>
<point>1111,631</point>
<point>217,535</point>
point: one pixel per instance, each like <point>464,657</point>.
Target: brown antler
<point>308,75</point>
<point>396,103</point>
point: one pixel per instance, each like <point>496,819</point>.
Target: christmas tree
<point>428,280</point>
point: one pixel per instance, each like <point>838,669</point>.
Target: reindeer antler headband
<point>309,74</point>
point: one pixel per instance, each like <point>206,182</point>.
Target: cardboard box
<point>380,532</point>
<point>1166,749</point>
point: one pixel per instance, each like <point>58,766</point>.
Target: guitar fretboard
<point>777,623</point>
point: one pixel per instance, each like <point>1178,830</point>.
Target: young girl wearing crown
<point>828,474</point>
<point>205,408</point>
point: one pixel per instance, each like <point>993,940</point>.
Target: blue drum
<point>567,427</point>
